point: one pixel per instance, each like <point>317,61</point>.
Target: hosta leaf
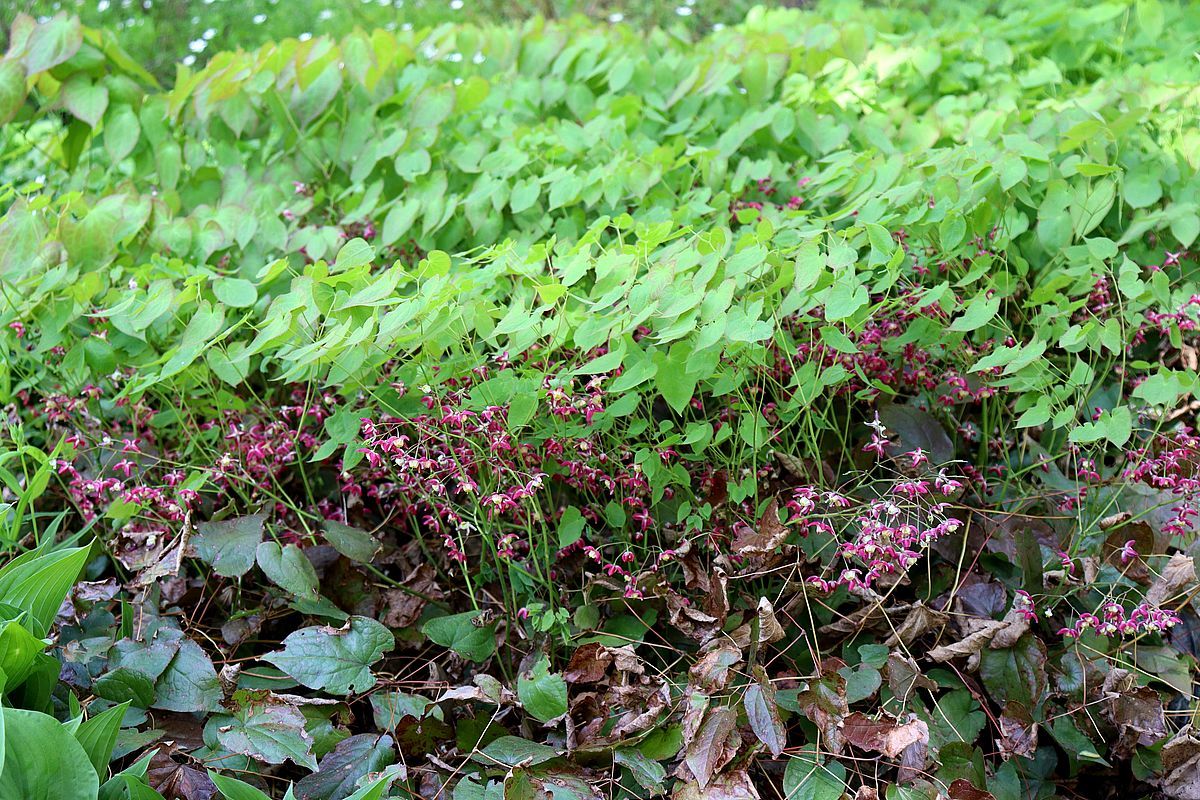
<point>233,789</point>
<point>43,761</point>
<point>38,585</point>
<point>335,660</point>
<point>98,735</point>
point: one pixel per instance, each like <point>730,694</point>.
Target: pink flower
<point>1128,552</point>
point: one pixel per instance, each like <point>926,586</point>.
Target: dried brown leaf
<point>711,672</point>
<point>769,629</point>
<point>763,538</point>
<point>886,736</point>
<point>1136,711</point>
<point>589,664</point>
<point>921,619</point>
<point>905,677</point>
<point>1018,731</point>
<point>733,785</point>
<point>963,789</point>
<point>1180,778</point>
<point>1179,573</point>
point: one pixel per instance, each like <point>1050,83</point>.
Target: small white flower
<point>616,17</point>
<point>259,19</point>
<point>684,11</point>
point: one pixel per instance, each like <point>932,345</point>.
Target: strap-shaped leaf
<point>39,585</point>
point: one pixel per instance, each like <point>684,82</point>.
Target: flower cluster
<point>1112,619</point>
<point>1171,463</point>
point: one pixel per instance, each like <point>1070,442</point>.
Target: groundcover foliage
<point>798,410</point>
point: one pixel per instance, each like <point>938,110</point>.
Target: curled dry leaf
<point>905,677</point>
<point>1018,731</point>
<point>589,664</point>
<point>763,538</point>
<point>921,619</point>
<point>997,634</point>
<point>769,629</point>
<point>733,785</point>
<point>711,672</point>
<point>1136,711</point>
<point>1180,778</point>
<point>1178,574</point>
<point>887,736</point>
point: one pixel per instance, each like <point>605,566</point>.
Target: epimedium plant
<point>819,393</point>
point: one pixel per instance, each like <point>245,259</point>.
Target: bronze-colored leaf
<point>714,745</point>
<point>762,712</point>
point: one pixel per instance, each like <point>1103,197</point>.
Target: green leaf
<point>53,42</point>
<point>513,750</point>
<point>86,100</point>
<point>354,253</point>
<point>570,526</point>
<point>349,762</point>
<point>354,543</point>
<point>98,735</point>
<point>978,313</point>
<point>288,568</point>
<point>1141,187</point>
<point>460,633</point>
<point>542,693</point>
<point>809,777</point>
<point>12,89</point>
<point>334,660</point>
<point>265,729</point>
<point>233,789</point>
<point>190,681</point>
<point>229,546</point>
<point>398,220</point>
<point>121,133</point>
<point>38,585</point>
<point>524,194</point>
<point>673,381</point>
<point>845,298</point>
<point>43,761</point>
<point>235,292</point>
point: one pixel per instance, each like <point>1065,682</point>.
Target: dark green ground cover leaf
<point>335,660</point>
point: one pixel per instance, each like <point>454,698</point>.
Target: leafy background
<point>737,403</point>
